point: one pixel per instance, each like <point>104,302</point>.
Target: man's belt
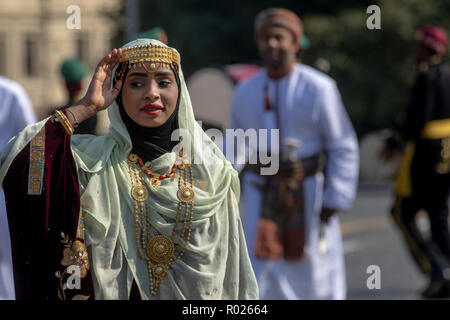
<point>281,227</point>
<point>436,129</point>
<point>310,166</point>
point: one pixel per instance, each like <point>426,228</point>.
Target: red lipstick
<point>152,109</point>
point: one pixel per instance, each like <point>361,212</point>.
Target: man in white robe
<point>310,110</point>
<point>16,113</point>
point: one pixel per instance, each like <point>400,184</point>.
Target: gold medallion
<point>152,66</point>
<point>160,249</point>
<point>147,165</point>
<point>186,194</point>
<point>132,157</point>
<point>155,182</point>
<point>139,193</point>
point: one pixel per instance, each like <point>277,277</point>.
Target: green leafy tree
<point>373,68</point>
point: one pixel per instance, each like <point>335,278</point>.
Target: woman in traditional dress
<point>150,210</point>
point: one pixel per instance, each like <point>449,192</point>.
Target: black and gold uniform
<point>423,181</point>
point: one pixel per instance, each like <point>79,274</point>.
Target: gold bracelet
<point>64,122</point>
<point>75,122</point>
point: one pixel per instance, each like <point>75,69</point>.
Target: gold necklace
<point>155,179</point>
<point>160,251</point>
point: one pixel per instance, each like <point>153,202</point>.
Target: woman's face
<point>150,96</point>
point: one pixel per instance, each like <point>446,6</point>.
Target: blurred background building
<point>34,40</point>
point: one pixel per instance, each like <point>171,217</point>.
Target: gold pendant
<point>147,165</point>
<point>155,182</point>
<point>132,157</point>
<point>186,194</point>
<point>139,193</point>
<point>158,271</point>
<point>160,248</point>
<point>183,162</point>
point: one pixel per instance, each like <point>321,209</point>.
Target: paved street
<point>371,238</point>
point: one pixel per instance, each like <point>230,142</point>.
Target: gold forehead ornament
<point>150,53</point>
<point>147,53</point>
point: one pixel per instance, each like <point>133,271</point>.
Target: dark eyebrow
<point>138,74</point>
<point>145,75</point>
<point>163,74</point>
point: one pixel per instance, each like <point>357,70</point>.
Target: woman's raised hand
<point>99,94</point>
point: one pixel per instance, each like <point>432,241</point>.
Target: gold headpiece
<point>147,53</point>
<point>150,53</point>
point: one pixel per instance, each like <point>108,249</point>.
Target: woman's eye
<point>137,84</point>
<point>164,84</point>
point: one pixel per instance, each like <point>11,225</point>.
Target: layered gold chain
<point>159,250</point>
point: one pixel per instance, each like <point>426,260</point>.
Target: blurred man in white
<point>16,113</point>
<point>291,226</point>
